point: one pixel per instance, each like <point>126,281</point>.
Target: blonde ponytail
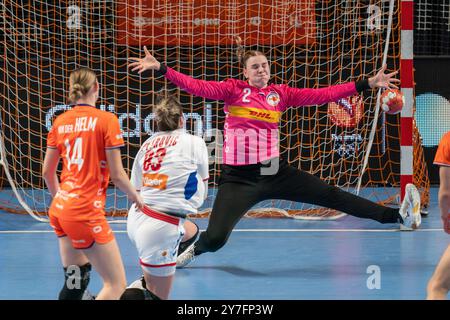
<point>80,82</point>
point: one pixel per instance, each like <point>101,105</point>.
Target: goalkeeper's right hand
<point>149,62</point>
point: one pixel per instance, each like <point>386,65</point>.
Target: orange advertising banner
<point>216,22</point>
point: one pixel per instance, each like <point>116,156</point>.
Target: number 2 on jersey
<point>153,159</point>
<point>247,92</point>
<point>77,153</point>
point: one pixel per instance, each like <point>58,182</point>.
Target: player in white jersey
<point>171,173</point>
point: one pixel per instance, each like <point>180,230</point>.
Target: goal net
<point>309,43</point>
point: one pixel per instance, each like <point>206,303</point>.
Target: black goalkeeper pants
<point>241,187</point>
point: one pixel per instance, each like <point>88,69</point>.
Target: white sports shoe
<point>186,257</point>
<point>410,209</point>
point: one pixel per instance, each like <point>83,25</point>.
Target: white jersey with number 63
<point>170,170</point>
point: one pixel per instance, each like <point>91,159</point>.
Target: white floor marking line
<point>256,230</point>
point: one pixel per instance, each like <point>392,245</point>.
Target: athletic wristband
<point>162,70</point>
<point>362,85</point>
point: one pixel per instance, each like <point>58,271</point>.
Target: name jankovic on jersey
<point>226,309</point>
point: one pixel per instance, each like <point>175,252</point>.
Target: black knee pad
<point>76,280</point>
<point>133,294</point>
<point>138,294</point>
<point>150,295</point>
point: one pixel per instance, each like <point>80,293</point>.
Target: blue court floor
<point>269,259</point>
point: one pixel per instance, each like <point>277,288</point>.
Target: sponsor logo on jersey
<point>255,114</point>
<point>64,195</point>
<point>69,185</point>
<point>155,180</point>
<point>273,99</point>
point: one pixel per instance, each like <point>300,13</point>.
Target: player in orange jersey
<point>88,140</point>
<point>439,284</point>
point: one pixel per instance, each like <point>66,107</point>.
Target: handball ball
<point>392,101</point>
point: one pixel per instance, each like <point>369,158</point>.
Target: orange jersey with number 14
<point>81,136</point>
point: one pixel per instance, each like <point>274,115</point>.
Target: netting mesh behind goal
<point>309,44</point>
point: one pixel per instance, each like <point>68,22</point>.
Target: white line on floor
<point>254,230</point>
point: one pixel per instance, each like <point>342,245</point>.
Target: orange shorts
<point>83,234</point>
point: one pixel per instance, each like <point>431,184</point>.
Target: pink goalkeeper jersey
<point>252,114</point>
